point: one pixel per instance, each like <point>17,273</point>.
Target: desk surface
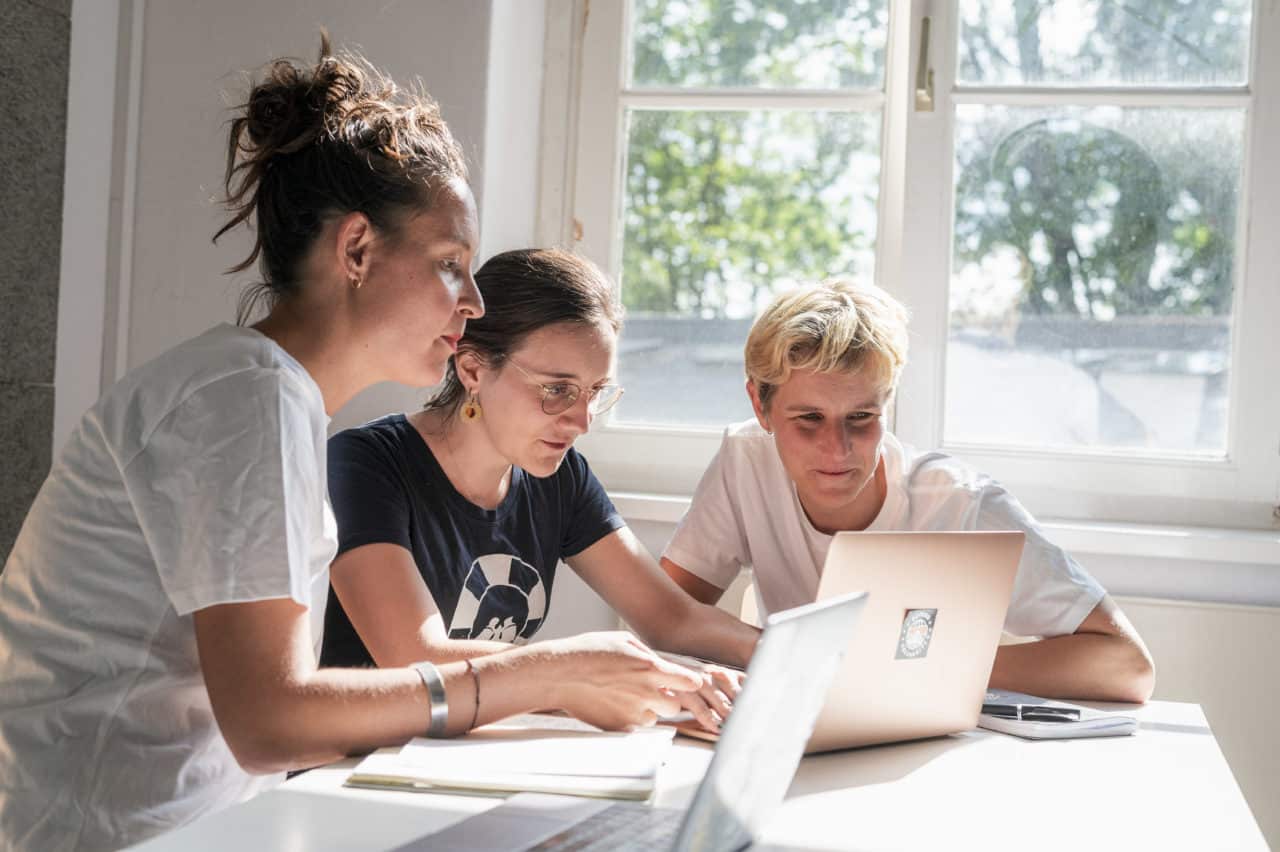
<point>1166,787</point>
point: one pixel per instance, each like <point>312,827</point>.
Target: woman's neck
<point>323,346</point>
<point>467,456</point>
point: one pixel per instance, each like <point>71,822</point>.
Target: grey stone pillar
<point>35,42</point>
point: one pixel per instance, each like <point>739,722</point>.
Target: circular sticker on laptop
<point>917,631</point>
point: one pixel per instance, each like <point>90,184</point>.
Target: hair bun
<point>340,82</point>
<point>313,140</point>
<point>286,111</point>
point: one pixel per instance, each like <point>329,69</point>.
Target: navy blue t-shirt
<point>489,571</point>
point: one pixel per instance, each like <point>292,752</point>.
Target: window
<point>1095,245</point>
<point>1059,189</point>
<point>750,141</point>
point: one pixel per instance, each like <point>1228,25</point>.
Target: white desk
<point>1168,787</point>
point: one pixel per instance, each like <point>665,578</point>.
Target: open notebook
<point>534,752</point>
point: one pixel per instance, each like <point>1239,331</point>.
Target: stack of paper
<point>537,753</point>
<point>1042,726</point>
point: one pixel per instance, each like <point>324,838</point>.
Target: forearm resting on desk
<point>277,711</point>
<point>1104,660</point>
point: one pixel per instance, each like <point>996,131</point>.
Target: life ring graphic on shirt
<point>502,600</point>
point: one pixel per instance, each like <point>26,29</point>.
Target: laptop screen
<point>765,735</point>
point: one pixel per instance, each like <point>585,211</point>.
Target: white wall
<point>514,99</point>
<point>193,54</point>
<point>86,211</point>
<point>1222,656</point>
<point>180,64</point>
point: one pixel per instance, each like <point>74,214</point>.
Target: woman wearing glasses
<point>451,520</point>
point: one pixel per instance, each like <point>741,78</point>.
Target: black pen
<point>1032,712</point>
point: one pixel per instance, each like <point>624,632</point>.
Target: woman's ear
<point>468,365</point>
<point>355,236</point>
<point>762,413</point>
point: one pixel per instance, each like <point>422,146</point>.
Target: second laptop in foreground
<point>747,779</point>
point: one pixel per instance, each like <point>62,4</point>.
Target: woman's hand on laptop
<point>613,681</point>
<point>711,702</point>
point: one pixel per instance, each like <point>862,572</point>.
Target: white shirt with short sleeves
<point>198,479</point>
<point>746,513</point>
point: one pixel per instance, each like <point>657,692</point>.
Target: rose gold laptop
<point>921,654</point>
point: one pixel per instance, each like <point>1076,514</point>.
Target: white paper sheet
<point>539,745</point>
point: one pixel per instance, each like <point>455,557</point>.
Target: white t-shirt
<point>746,513</point>
<point>198,479</point>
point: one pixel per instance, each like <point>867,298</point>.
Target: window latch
<point>924,74</point>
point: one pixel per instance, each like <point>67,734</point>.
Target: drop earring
<point>471,409</point>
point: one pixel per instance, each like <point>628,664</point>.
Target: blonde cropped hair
<point>839,325</point>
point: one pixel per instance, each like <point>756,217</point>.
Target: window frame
<point>582,178</point>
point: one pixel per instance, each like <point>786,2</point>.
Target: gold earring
<point>471,409</point>
<point>356,282</point>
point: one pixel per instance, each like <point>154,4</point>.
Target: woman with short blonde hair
<point>822,364</point>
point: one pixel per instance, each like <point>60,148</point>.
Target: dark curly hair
<point>313,143</point>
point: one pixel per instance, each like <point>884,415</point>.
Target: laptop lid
<point>922,651</point>
<point>757,755</point>
<point>764,737</point>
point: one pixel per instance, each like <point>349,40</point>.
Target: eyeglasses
<point>559,397</point>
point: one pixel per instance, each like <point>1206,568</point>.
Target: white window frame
<point>580,206</point>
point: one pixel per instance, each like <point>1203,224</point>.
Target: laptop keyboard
<point>623,826</point>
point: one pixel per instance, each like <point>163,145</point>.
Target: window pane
<point>1092,283</point>
<point>1100,42</point>
<point>767,43</point>
<point>721,210</point>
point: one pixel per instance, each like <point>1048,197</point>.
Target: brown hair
<point>312,143</point>
<point>523,291</point>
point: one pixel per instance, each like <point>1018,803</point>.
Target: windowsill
<point>1151,541</point>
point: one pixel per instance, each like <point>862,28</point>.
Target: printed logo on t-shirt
<point>502,600</point>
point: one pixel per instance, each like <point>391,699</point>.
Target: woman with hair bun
<point>160,609</point>
<point>452,520</point>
